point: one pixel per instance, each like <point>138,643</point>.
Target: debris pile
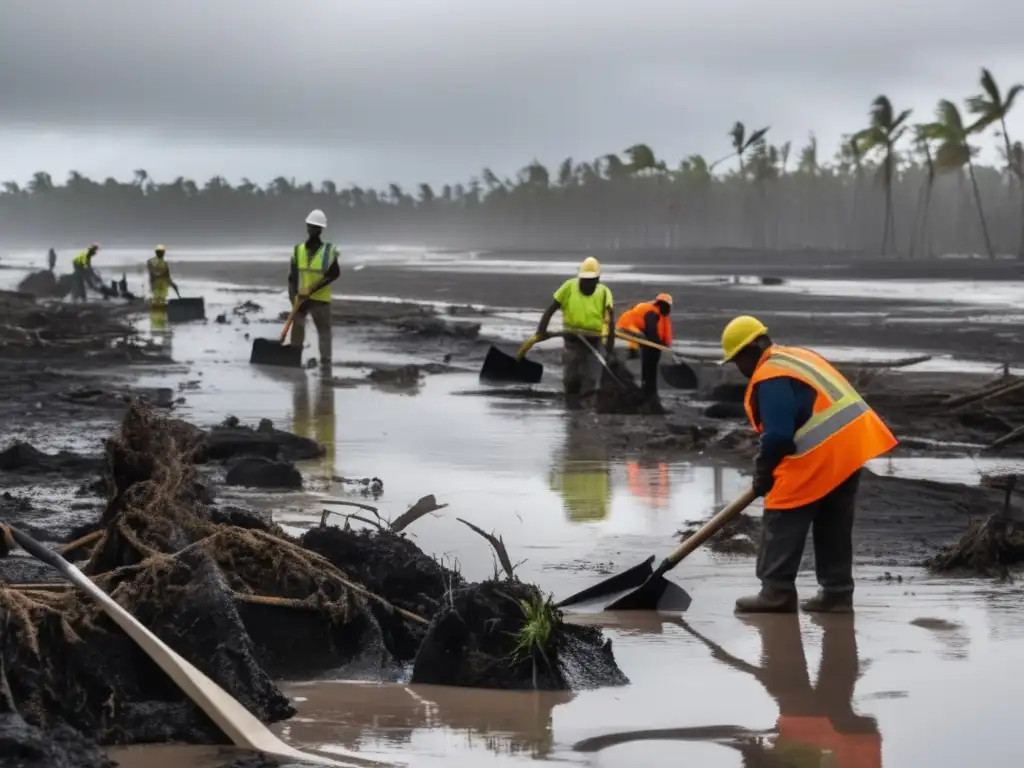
<point>740,536</point>
<point>83,330</point>
<point>505,634</point>
<point>245,603</point>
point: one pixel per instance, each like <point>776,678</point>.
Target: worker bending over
<point>314,267</point>
<point>816,434</point>
<point>650,320</point>
<point>160,278</point>
<point>83,273</point>
<point>587,312</point>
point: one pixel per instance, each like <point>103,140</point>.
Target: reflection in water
<point>316,420</point>
<point>581,473</point>
<point>160,331</point>
<point>816,725</point>
<point>649,480</point>
<point>368,718</point>
<point>817,721</point>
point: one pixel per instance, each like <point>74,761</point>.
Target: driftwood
<point>1010,437</point>
<point>425,506</point>
<point>985,393</point>
<point>89,538</point>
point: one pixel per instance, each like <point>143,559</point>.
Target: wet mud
<point>506,634</point>
<point>245,603</point>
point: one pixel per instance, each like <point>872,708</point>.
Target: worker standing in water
<point>314,267</point>
<point>587,311</point>
<point>649,320</point>
<point>816,434</point>
<point>83,273</point>
<point>160,278</point>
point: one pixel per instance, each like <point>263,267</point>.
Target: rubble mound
<point>504,634</point>
<point>619,393</point>
<point>25,746</point>
<point>27,459</point>
<point>990,547</point>
<point>389,564</point>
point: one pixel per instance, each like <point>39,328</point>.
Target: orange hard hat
<point>665,297</point>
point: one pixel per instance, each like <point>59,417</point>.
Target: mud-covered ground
<point>703,308</point>
<point>65,366</point>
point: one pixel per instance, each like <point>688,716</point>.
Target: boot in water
<point>768,601</point>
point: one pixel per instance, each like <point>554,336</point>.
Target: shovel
<point>678,374</point>
<point>236,722</point>
<point>655,592</point>
<point>271,352</point>
<point>181,310</point>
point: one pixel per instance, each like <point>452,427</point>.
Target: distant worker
<point>160,278</point>
<point>816,434</point>
<point>650,320</point>
<point>314,267</point>
<point>51,260</point>
<point>84,275</point>
<point>586,305</point>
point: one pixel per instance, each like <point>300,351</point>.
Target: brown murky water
<point>921,676</point>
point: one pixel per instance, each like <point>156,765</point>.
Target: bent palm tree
<point>954,152</point>
<point>881,135</point>
<point>741,143</point>
<point>922,143</point>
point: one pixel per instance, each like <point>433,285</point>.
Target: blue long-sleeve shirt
<point>783,405</point>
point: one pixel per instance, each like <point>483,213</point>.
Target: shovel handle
<point>291,319</point>
<point>709,529</point>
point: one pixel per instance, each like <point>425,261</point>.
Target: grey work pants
<point>320,311</point>
<point>582,375</point>
<point>784,535</point>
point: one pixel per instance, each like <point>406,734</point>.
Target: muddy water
<point>921,675</point>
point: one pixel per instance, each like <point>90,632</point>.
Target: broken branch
<point>425,506</point>
<point>497,543</point>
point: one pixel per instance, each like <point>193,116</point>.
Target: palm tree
<point>808,162</point>
<point>955,152</point>
<point>990,107</point>
<point>741,143</point>
<point>881,135</point>
<point>922,143</point>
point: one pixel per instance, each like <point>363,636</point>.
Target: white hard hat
<point>317,218</point>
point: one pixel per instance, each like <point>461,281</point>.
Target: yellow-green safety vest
<point>311,271</point>
<point>81,260</point>
<point>159,270</point>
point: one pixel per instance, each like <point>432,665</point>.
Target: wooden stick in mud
<point>990,390</point>
<point>1009,437</point>
<point>497,543</point>
<point>425,506</point>
<point>308,605</point>
<point>89,538</point>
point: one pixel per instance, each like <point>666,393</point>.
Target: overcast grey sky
<point>374,91</point>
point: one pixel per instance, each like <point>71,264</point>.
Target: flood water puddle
<point>918,677</point>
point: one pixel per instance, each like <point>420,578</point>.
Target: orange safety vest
<point>632,320</point>
<point>851,750</point>
<point>842,435</point>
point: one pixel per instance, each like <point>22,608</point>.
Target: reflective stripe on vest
<point>312,270</point>
<point>842,434</point>
<point>846,405</point>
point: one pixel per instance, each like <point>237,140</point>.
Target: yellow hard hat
<point>590,268</point>
<point>667,298</point>
<point>160,249</point>
<point>739,333</point>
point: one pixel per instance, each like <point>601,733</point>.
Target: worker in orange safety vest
<point>649,320</point>
<point>816,434</point>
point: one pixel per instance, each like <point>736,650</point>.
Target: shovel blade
<point>628,579</point>
<point>679,376</point>
<point>184,310</point>
<point>501,366</point>
<point>655,594</point>
<point>273,352</point>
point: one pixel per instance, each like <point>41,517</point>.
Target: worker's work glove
<point>762,483</point>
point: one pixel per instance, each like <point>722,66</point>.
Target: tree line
<point>894,187</point>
